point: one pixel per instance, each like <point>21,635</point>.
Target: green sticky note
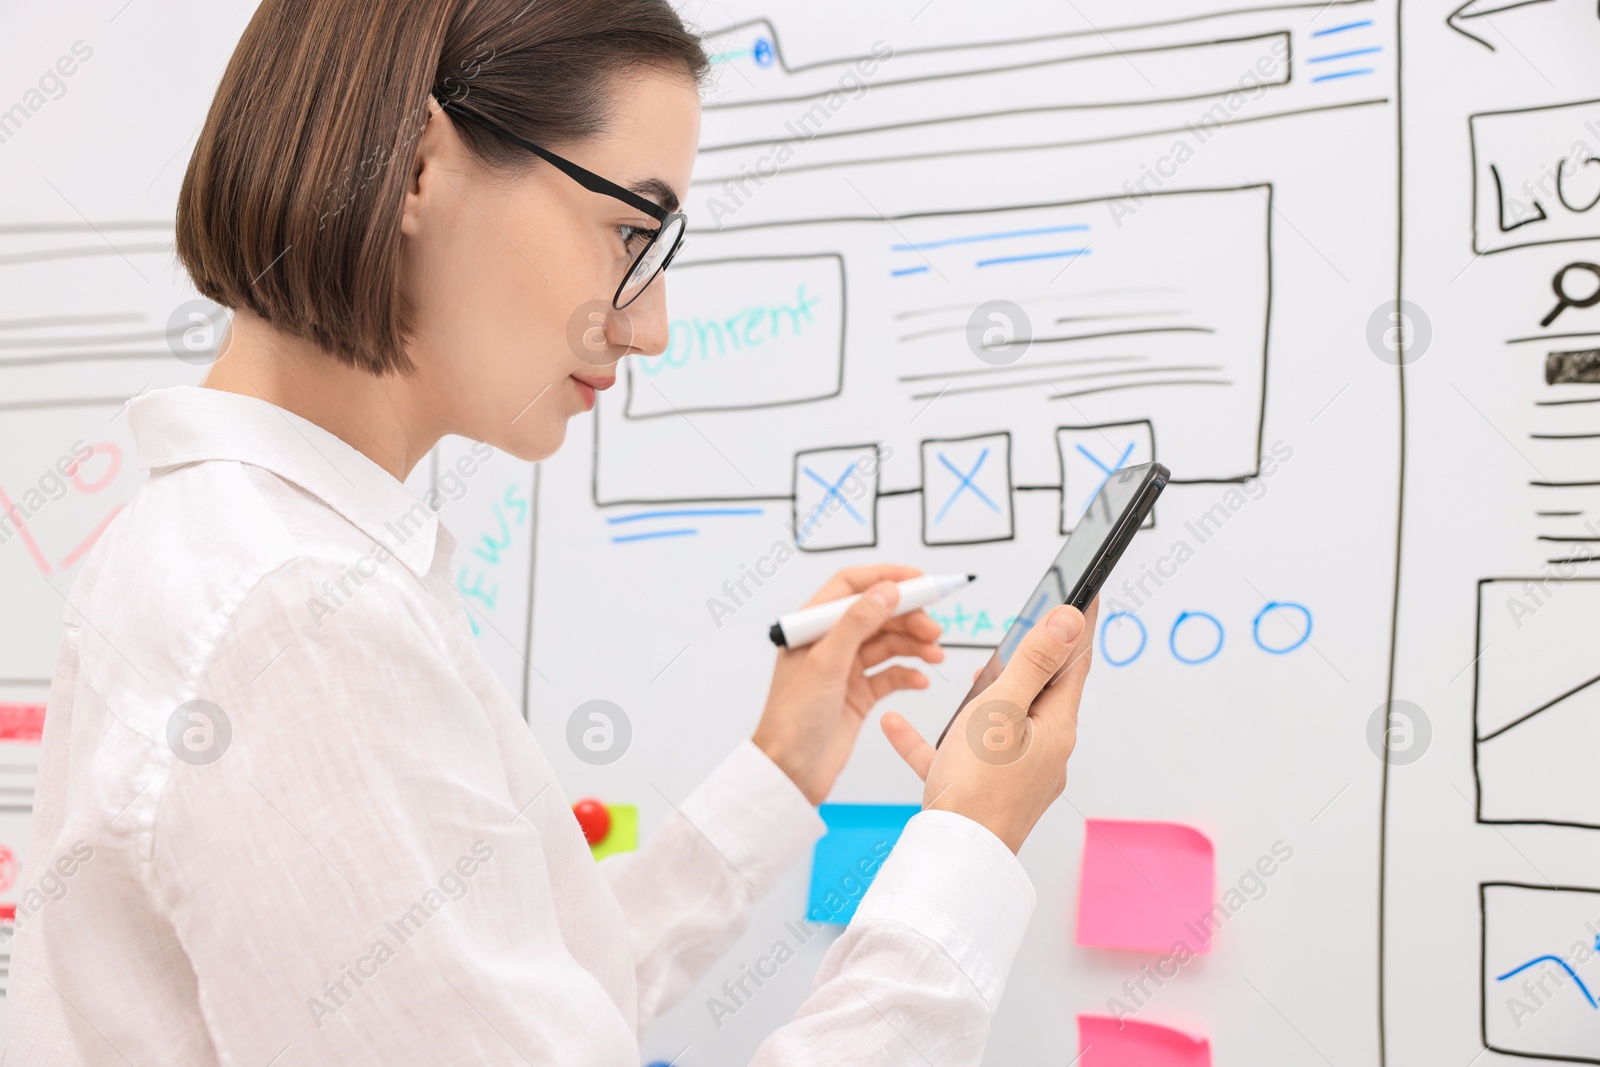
<point>624,833</point>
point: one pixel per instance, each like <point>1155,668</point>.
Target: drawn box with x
<point>966,490</point>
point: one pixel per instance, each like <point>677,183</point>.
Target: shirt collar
<point>189,424</point>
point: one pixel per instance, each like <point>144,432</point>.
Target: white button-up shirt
<point>353,852</point>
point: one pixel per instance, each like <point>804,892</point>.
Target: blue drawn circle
<point>1144,637</point>
<point>761,52</point>
<point>1172,639</point>
<point>1255,626</point>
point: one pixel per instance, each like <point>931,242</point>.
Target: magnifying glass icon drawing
<point>1565,300</point>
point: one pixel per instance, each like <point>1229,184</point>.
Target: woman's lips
<point>589,384</point>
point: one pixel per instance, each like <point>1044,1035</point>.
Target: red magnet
<point>594,819</point>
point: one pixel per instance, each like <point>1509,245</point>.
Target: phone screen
<point>1085,548</point>
<point>1076,556</point>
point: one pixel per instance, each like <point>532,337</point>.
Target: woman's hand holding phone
<point>1005,760</point>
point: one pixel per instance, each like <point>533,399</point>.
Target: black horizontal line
<point>1098,31</point>
<point>1546,337</point>
<point>1138,385</point>
<point>1059,378</point>
<point>1553,537</point>
<point>1120,333</point>
<point>69,342</point>
<point>82,253</point>
<point>1035,64</point>
<point>1563,485</point>
<point>1084,142</point>
<point>1563,436</point>
<point>1022,367</point>
<point>84,227</point>
<point>71,320</point>
<point>84,357</point>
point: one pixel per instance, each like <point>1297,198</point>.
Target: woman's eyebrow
<point>657,190</point>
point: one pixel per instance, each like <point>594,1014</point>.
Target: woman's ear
<point>435,130</point>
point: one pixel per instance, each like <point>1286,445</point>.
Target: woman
<point>296,817</point>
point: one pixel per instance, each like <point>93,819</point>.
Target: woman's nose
<point>642,325</point>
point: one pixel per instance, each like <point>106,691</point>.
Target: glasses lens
<point>651,262</point>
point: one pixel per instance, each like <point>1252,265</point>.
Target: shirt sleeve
<point>351,880</point>
<point>917,975</point>
<point>687,892</point>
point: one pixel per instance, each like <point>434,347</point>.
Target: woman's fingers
<point>917,753</point>
<point>1061,699</point>
<point>854,580</point>
<point>892,679</point>
<point>839,647</point>
<point>893,642</point>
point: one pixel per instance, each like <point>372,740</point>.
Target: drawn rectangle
<point>1164,319</point>
<point>1536,701</point>
<point>1091,454</point>
<point>836,498</point>
<point>1540,979</point>
<point>966,490</point>
<point>746,333</point>
<point>1529,186</point>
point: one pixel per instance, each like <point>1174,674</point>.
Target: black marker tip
<point>972,577</point>
<point>776,633</point>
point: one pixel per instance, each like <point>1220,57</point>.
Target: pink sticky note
<point>1146,886</point>
<point>1107,1042</point>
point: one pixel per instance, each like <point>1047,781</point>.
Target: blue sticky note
<point>847,858</point>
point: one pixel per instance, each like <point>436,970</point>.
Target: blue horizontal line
<point>1342,74</point>
<point>909,270</point>
<point>1341,29</point>
<point>653,535</point>
<point>1036,255</point>
<point>679,513</point>
<point>723,57</point>
<point>1076,227</point>
<point>1347,55</point>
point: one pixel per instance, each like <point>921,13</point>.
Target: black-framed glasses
<point>665,239</point>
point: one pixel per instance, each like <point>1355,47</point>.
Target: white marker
<point>800,628</point>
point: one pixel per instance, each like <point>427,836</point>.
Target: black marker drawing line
<point>1070,338</point>
<point>1547,337</point>
<point>962,327</point>
<point>1458,14</point>
<point>73,320</point>
<point>84,357</point>
<point>86,402</point>
<point>84,227</point>
<point>1578,540</point>
<point>1562,403</point>
<point>1558,514</point>
<point>84,252</point>
<point>1021,367</point>
<point>953,153</point>
<point>1001,70</point>
<point>974,116</point>
<point>1574,559</point>
<point>995,386</point>
<point>1564,436</point>
<point>1546,706</point>
<point>1099,31</point>
<point>1047,298</point>
<point>69,342</point>
<point>1155,385</point>
<point>1562,485</point>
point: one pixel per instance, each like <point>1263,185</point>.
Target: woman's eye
<point>634,238</point>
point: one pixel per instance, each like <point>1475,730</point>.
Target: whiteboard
<point>1204,214</point>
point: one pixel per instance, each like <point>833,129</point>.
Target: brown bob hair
<point>291,203</point>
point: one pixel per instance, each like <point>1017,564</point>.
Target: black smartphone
<point>1080,568</point>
